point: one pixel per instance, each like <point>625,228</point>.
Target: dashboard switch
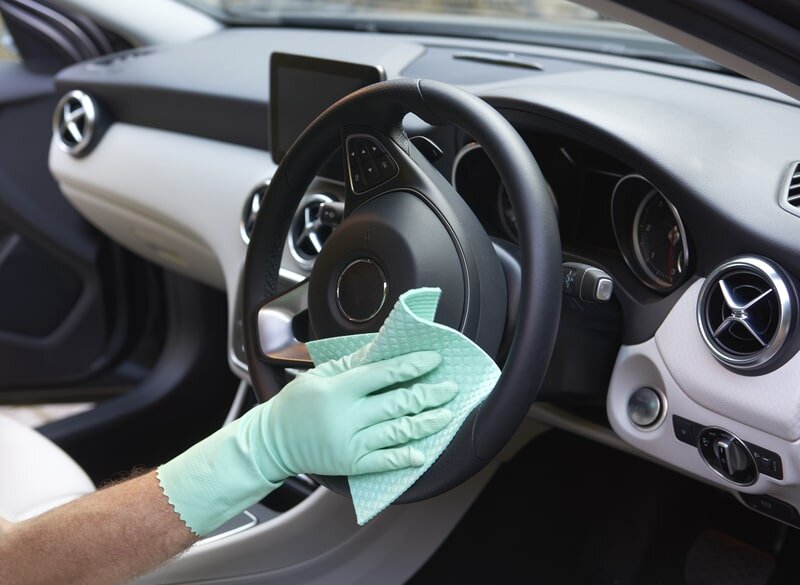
<point>684,430</point>
<point>728,455</point>
<point>772,507</point>
<point>768,462</point>
<point>586,282</point>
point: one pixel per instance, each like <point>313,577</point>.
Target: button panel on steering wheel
<point>368,164</point>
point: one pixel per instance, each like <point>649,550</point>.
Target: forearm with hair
<point>105,538</point>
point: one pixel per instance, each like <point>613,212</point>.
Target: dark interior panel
<point>42,291</point>
<point>67,320</point>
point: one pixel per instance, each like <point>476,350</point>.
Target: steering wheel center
<point>361,290</point>
<point>388,245</point>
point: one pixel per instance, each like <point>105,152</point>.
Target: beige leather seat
<point>35,474</point>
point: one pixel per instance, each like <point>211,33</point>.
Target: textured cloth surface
<point>410,327</point>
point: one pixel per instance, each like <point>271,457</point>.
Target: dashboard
<point>679,185</point>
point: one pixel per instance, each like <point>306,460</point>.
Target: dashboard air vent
<point>251,207</point>
<point>309,230</point>
<point>793,186</point>
<point>790,190</point>
<point>74,122</point>
<point>745,312</point>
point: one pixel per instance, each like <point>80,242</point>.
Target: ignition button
<point>645,408</point>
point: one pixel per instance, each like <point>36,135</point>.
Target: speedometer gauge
<point>658,240</point>
<point>650,233</point>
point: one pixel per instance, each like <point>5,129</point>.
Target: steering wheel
<point>405,227</point>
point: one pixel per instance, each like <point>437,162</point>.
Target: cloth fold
<point>410,327</point>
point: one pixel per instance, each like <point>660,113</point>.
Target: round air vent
<point>745,312</point>
<point>308,232</point>
<point>74,122</point>
<point>250,211</point>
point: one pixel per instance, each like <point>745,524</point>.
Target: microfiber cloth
<point>408,328</point>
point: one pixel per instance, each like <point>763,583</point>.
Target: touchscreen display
<point>301,88</point>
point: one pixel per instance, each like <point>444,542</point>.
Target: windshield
<point>502,9</point>
<point>546,22</point>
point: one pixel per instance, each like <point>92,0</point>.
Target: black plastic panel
<point>38,292</point>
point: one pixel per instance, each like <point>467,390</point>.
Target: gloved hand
<point>327,421</point>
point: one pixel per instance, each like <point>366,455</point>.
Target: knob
<point>732,458</point>
<point>726,454</point>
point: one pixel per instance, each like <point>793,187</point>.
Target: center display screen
<point>301,88</point>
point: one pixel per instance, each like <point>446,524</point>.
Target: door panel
<point>78,315</point>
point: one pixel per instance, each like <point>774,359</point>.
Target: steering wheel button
<point>386,166</point>
<point>357,178</point>
<point>371,175</point>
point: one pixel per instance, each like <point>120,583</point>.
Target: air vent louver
<point>744,312</point>
<point>793,186</point>
<point>74,122</point>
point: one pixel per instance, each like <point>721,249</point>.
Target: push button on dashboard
<point>768,462</point>
<point>684,430</point>
<point>772,507</point>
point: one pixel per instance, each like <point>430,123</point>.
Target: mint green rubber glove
<point>327,421</point>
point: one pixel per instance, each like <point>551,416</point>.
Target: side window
<point>7,50</point>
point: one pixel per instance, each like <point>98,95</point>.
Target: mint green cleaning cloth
<point>410,327</point>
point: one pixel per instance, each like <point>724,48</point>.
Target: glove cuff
<point>214,480</point>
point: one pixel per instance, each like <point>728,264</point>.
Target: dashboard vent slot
<point>790,190</point>
<point>793,186</point>
<point>74,122</point>
<point>745,311</point>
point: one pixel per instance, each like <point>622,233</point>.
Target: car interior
<point>606,193</point>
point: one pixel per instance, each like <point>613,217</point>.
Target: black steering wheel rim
<point>383,105</point>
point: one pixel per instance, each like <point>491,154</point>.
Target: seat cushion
<point>35,474</point>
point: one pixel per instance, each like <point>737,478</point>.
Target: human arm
<point>108,537</point>
<point>328,421</point>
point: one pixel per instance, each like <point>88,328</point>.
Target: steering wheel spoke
<point>277,323</point>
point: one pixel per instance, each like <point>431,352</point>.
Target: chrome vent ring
<point>308,233</point>
<point>745,312</point>
<point>74,122</point>
<point>252,205</point>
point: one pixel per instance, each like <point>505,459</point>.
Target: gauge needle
<point>673,236</point>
